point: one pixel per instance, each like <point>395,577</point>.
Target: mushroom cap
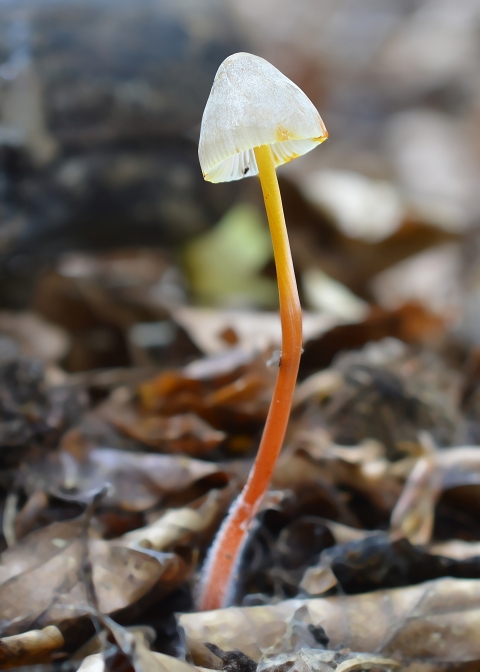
<point>251,104</point>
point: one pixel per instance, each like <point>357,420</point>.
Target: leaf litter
<point>363,556</point>
<point>354,561</point>
<point>129,420</point>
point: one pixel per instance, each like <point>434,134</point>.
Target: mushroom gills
<point>244,163</point>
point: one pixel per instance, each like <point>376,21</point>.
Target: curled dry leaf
<point>97,644</point>
<point>435,471</point>
<point>414,511</point>
<point>30,648</point>
<point>43,581</point>
<point>294,468</point>
<point>182,526</point>
<point>231,391</point>
<point>182,433</point>
<point>437,620</point>
<point>132,646</point>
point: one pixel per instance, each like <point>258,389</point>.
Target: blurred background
<point>114,252</point>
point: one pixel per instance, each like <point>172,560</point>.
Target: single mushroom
<point>256,119</point>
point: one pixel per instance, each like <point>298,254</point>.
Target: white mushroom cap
<point>251,104</point>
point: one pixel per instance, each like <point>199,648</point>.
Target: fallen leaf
<point>43,581</point>
<point>183,433</point>
<point>437,620</point>
<point>133,647</point>
<point>231,391</point>
<point>414,511</point>
<point>137,481</point>
<point>30,648</point>
<point>184,526</point>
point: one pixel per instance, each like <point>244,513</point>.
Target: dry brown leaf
<point>138,481</point>
<point>43,582</point>
<point>235,381</point>
<point>437,620</point>
<point>182,433</point>
<point>97,644</point>
<point>30,648</point>
<point>231,391</point>
<point>134,647</point>
<point>180,526</point>
<point>38,548</point>
<point>414,511</point>
<point>124,576</point>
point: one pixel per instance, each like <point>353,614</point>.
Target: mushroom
<point>256,119</point>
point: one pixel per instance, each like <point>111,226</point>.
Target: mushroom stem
<point>219,571</point>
